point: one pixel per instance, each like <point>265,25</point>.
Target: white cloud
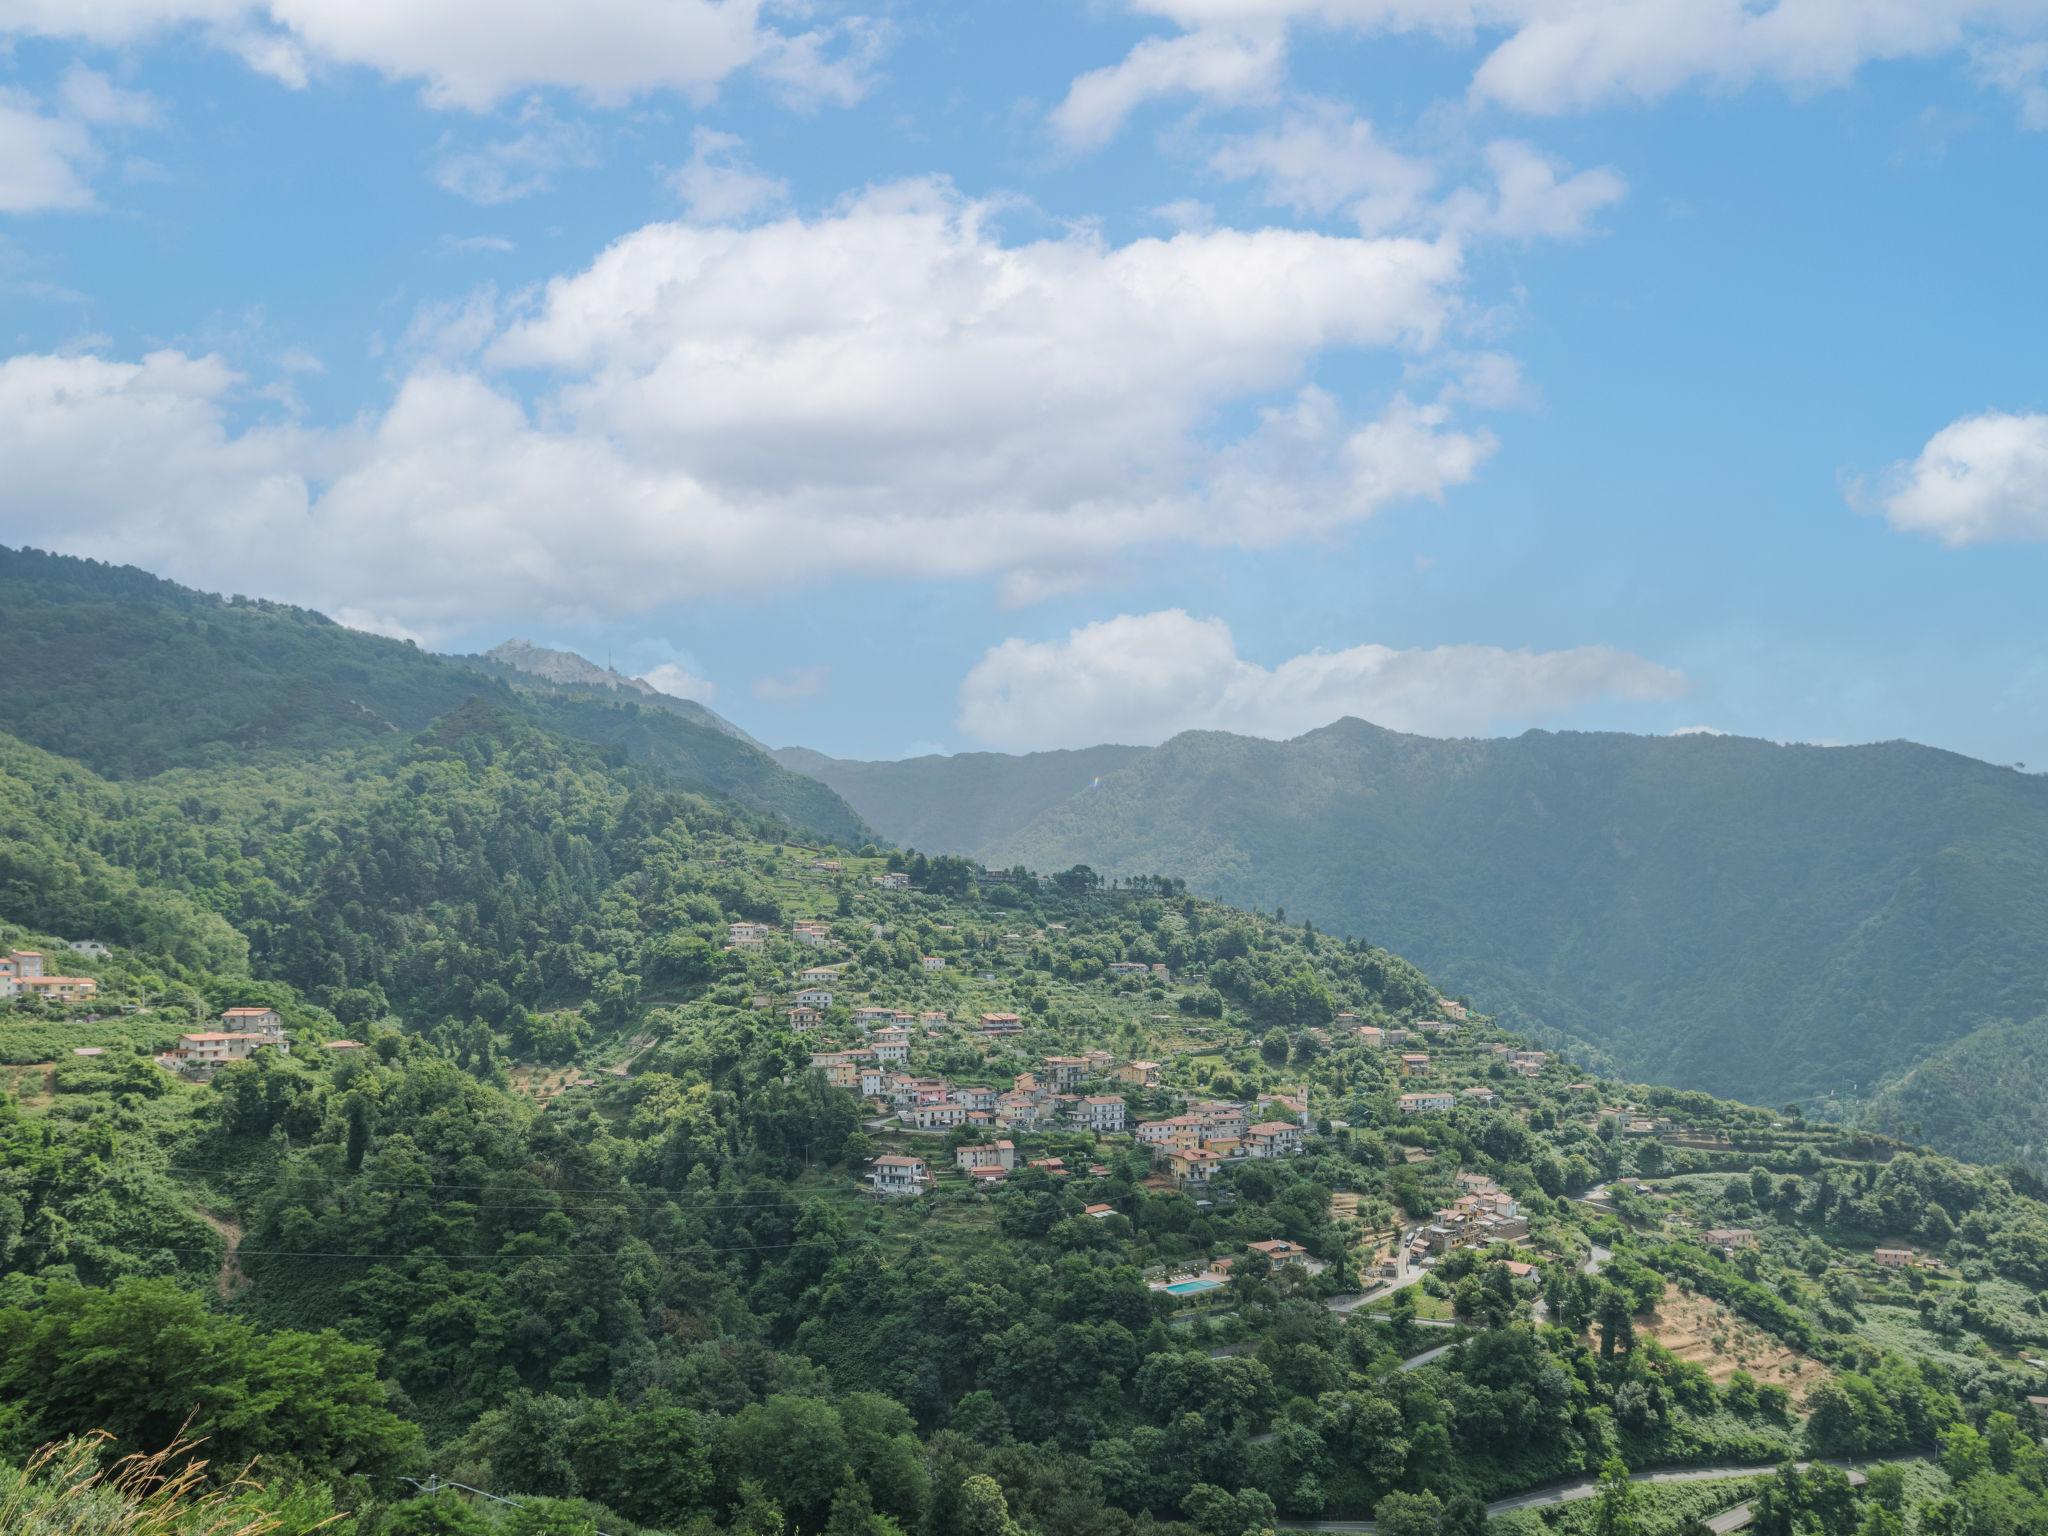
<point>1979,480</point>
<point>1186,213</point>
<point>475,53</point>
<point>505,170</point>
<point>87,96</point>
<point>1698,730</point>
<point>47,160</point>
<point>50,152</point>
<point>679,682</point>
<point>888,390</point>
<point>135,461</point>
<point>1220,66</point>
<point>792,686</point>
<point>378,624</point>
<point>1552,56</point>
<point>718,186</point>
<point>2022,70</point>
<point>1537,196</point>
<point>477,245</point>
<point>1142,678</point>
<point>1321,158</point>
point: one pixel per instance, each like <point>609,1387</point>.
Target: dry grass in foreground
<point>67,1490</point>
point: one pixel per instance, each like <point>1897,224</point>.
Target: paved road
<point>1585,1487</point>
<point>1417,1362</point>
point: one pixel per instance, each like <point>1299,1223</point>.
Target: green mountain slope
<point>1980,1096</point>
<point>1769,921</point>
<point>133,675</point>
<point>576,1213</point>
<point>972,803</point>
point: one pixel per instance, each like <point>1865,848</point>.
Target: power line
<point>435,1483</point>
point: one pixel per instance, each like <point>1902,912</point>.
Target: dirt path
<point>231,1279</point>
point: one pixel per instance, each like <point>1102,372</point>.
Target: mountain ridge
<point>134,675</point>
<point>1747,917</point>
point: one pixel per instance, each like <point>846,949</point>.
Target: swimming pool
<point>1191,1287</point>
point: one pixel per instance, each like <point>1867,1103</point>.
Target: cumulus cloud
<point>475,53</point>
<point>47,158</point>
<point>679,682</point>
<point>1220,66</point>
<point>50,151</point>
<point>1979,480</point>
<point>890,390</point>
<point>1140,678</point>
<point>718,186</point>
<point>1537,196</point>
<point>1554,56</point>
<point>1321,158</point>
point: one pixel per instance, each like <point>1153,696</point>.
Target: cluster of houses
<point>243,1032</point>
<point>1034,1100</point>
<point>1482,1214</point>
<point>22,973</point>
<point>1192,1145</point>
<point>1528,1063</point>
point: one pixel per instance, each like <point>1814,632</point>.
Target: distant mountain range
<point>133,675</point>
<point>1770,922</point>
<point>1861,928</point>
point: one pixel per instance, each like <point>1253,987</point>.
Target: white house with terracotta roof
<point>890,1174</point>
<point>1426,1103</point>
<point>209,1050</point>
<point>1273,1138</point>
<point>933,962</point>
<point>262,1020</point>
<point>27,963</point>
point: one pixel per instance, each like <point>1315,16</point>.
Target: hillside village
<point>1269,1132</point>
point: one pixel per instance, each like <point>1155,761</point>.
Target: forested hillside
<point>1979,1096</point>
<point>1768,921</point>
<point>580,1222</point>
<point>627,1159</point>
<point>132,675</point>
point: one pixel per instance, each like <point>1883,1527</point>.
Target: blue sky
<point>928,378</point>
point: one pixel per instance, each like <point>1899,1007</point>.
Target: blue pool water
<point>1190,1287</point>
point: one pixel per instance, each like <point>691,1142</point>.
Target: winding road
<point>1732,1519</point>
